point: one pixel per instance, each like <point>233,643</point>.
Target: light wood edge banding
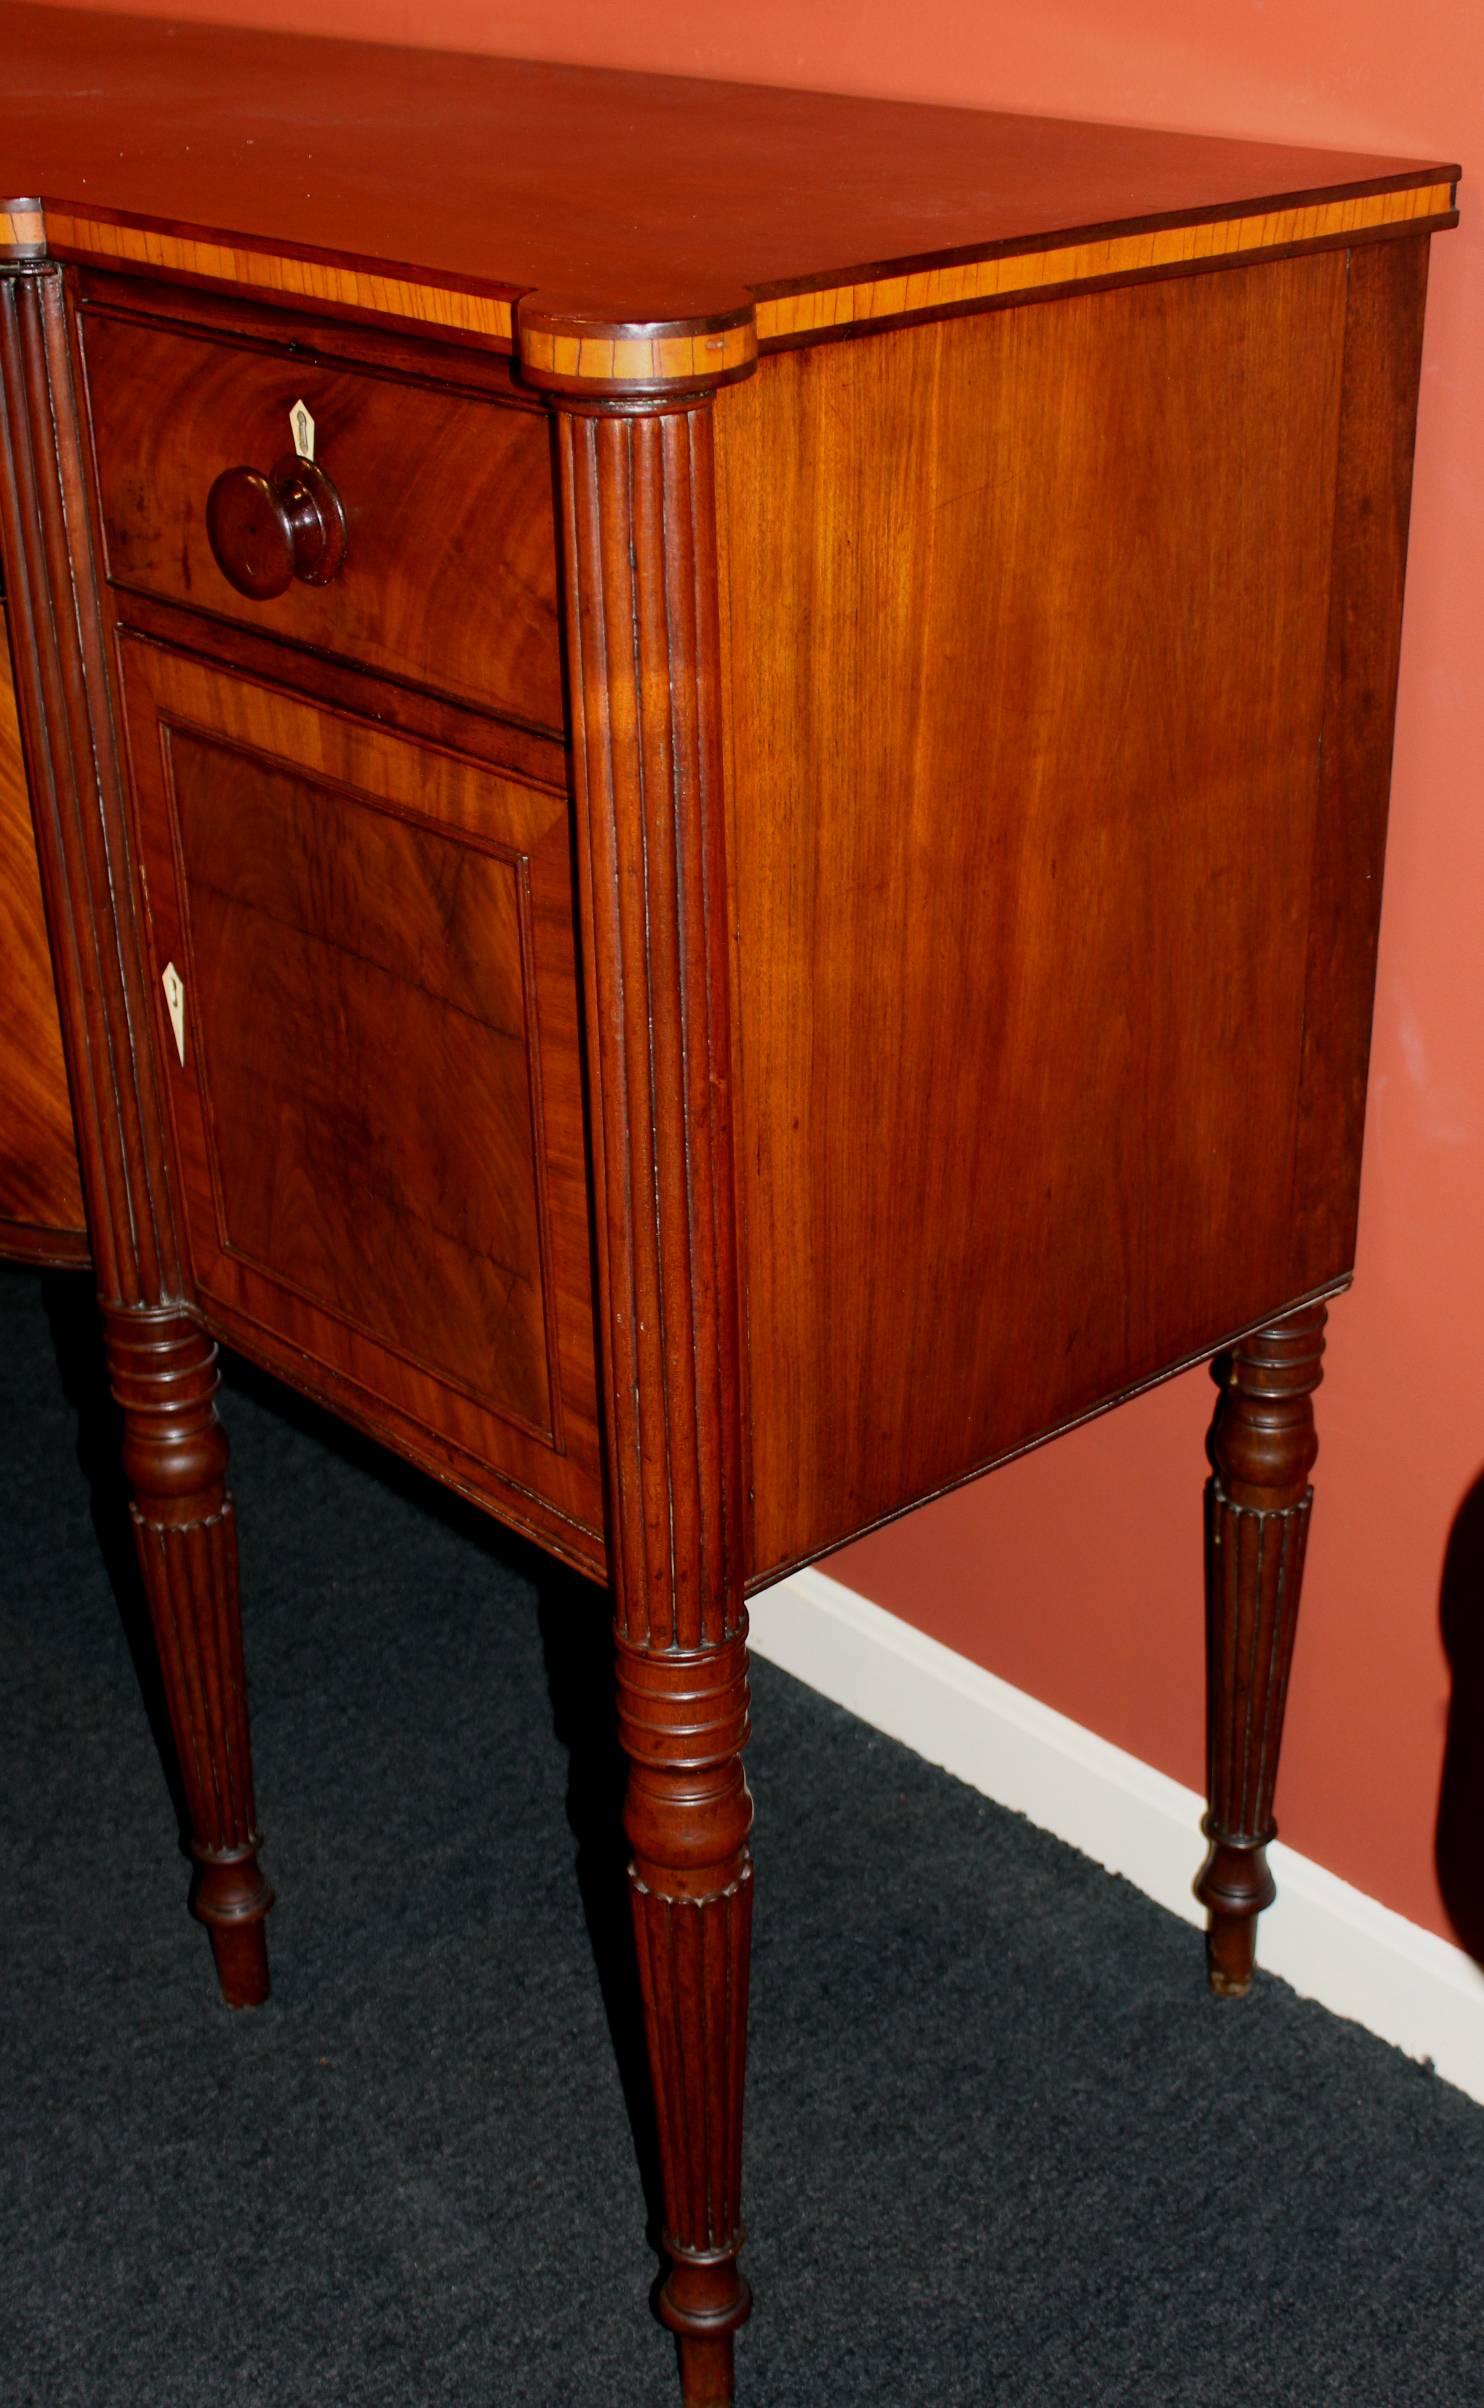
<point>369,290</point>
<point>22,230</point>
<point>670,358</point>
<point>928,291</point>
<point>638,359</point>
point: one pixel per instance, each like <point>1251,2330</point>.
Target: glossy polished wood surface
<point>162,1364</point>
<point>1003,763</point>
<point>640,549</point>
<point>613,201</point>
<point>41,1215</point>
<point>701,1044</point>
<point>376,1090</point>
<point>431,482</point>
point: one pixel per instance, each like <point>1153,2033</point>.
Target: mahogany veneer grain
<point>449,579</point>
<point>790,918</point>
<point>398,185</point>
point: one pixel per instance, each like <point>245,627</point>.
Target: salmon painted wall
<point>1076,1574</point>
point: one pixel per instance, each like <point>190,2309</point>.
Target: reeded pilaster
<point>639,516</point>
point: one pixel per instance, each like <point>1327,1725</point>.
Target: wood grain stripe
<point>471,313</point>
<point>21,229</point>
<point>934,289</point>
<point>638,359</point>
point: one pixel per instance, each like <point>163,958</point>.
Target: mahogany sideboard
<point>710,770</point>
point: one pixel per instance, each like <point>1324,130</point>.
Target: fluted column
<point>1262,1447</point>
<point>641,568</point>
<point>161,1363</point>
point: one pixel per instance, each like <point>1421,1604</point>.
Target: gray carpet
<point>1002,2147</point>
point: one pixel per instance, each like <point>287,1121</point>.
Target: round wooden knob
<point>266,531</point>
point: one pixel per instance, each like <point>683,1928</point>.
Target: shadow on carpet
<point>1002,2147</point>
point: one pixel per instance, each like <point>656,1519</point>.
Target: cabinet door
<point>367,1011</point>
<point>40,1193</point>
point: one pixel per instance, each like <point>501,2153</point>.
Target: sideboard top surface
<point>611,200</point>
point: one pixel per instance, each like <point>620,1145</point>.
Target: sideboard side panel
<point>1027,620</point>
<point>1383,363</point>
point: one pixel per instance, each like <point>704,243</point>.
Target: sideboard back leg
<point>163,1370</point>
<point>1262,1448</point>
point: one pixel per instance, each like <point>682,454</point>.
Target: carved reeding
<point>193,1589</point>
<point>72,764</point>
<point>1258,1502</point>
<point>703,1959</point>
<point>1257,1565</point>
<point>639,526</point>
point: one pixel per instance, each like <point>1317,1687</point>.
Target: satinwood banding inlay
<point>22,229</point>
<point>562,350</point>
<point>367,287</point>
<point>929,291</point>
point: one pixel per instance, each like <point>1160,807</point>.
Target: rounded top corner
<point>562,347</point>
<point>22,228</point>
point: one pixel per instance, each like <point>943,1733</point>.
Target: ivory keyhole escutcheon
<point>302,428</point>
<point>175,1004</point>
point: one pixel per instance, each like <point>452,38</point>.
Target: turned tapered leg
<point>161,1364</point>
<point>163,1370</point>
<point>1262,1449</point>
<point>683,1722</point>
<point>640,551</point>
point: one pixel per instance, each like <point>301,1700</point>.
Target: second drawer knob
<point>265,531</point>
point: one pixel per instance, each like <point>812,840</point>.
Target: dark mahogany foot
<point>1235,1885</point>
<point>241,1954</point>
<point>163,1370</point>
<point>1262,1449</point>
<point>706,2371</point>
<point>704,2304</point>
<point>232,1898</point>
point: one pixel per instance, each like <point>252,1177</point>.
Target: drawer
<point>449,579</point>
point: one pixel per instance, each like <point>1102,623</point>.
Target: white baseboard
<point>1332,1942</point>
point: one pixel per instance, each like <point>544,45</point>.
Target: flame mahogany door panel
<point>375,1083</point>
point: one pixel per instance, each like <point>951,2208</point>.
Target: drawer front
<point>367,1016</point>
<point>449,579</point>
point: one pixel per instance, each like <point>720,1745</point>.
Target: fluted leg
<point>683,1722</point>
<point>163,1370</point>
<point>1262,1448</point>
<point>162,1366</point>
<point>640,546</point>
